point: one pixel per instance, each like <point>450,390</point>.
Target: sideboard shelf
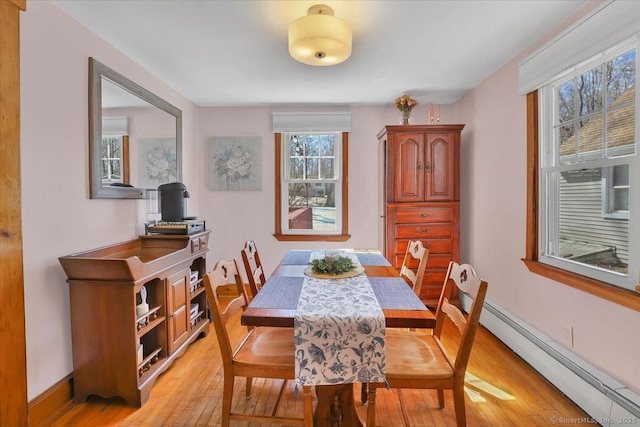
<point>117,352</point>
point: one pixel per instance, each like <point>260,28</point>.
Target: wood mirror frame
<point>98,72</point>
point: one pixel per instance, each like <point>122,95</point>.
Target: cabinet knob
<point>419,165</point>
<point>424,215</point>
<point>429,167</point>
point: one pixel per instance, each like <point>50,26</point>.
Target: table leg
<point>336,407</point>
<point>363,393</point>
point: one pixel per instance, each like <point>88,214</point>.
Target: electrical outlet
<point>567,335</point>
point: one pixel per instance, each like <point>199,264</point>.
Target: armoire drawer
<point>423,231</point>
<point>418,215</point>
<point>430,292</point>
<point>438,261</point>
<point>435,246</point>
<point>434,278</point>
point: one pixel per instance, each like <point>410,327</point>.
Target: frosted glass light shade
<point>320,38</point>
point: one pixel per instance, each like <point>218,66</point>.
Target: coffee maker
<point>173,202</point>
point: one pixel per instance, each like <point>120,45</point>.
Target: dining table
<point>289,297</point>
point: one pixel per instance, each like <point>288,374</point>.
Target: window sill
<point>603,290</point>
<point>312,237</point>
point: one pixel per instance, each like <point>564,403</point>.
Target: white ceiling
<point>234,53</point>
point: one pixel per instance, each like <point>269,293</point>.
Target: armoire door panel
<point>439,176</point>
<point>409,168</point>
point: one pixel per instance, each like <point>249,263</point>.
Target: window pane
<point>621,200</point>
<point>621,175</point>
<point>583,234</point>
<point>327,145</point>
<point>115,170</point>
<point>565,135</point>
<point>590,139</point>
<point>621,76</point>
<point>295,146</point>
<point>621,130</point>
<point>312,169</point>
<point>116,148</point>
<point>296,168</point>
<point>620,183</point>
<point>590,91</point>
<point>312,145</point>
<point>566,101</point>
<point>312,206</point>
<point>327,166</point>
<point>299,194</point>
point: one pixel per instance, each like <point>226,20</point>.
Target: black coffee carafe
<point>173,204</point>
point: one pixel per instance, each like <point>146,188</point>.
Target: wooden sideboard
<point>421,193</point>
<point>105,288</point>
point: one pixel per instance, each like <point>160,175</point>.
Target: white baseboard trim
<point>606,400</point>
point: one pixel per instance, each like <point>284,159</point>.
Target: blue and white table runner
<point>339,330</point>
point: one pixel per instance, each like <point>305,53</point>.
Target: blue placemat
<point>395,293</point>
<point>367,258</point>
<point>296,258</point>
<point>279,292</point>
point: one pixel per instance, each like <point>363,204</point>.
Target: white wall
<point>57,215</point>
<point>493,221</point>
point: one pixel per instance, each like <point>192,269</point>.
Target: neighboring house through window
<point>311,177</point>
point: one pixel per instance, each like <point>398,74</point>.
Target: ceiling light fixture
<point>320,38</point>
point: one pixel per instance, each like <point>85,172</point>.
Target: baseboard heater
<point>605,399</point>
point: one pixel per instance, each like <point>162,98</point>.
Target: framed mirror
<point>135,137</point>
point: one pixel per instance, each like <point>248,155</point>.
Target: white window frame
<point>548,224</point>
<point>285,181</point>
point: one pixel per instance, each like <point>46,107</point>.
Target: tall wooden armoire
<point>421,197</point>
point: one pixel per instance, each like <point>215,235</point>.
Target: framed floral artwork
<point>235,163</point>
<point>156,162</point>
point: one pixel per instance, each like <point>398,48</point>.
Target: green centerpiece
<point>339,266</point>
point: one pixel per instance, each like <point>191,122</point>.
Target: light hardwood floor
<point>502,390</point>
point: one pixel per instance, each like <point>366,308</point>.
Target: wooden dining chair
<point>414,264</point>
<point>263,352</point>
<point>412,271</point>
<point>419,361</point>
<point>253,266</point>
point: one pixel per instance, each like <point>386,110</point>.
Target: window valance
<point>115,126</point>
<point>312,122</point>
